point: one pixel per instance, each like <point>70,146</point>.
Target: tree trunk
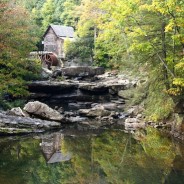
<point>164,53</point>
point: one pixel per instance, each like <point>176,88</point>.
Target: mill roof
<point>61,31</point>
<point>59,157</point>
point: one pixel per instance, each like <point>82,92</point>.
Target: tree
<point>47,13</point>
<point>69,16</point>
<point>17,40</point>
<point>80,48</point>
<point>83,46</point>
<point>147,34</point>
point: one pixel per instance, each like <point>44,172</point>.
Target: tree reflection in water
<point>111,157</point>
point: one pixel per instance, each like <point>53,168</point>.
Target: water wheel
<point>49,59</point>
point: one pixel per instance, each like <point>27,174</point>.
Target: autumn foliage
<point>16,41</point>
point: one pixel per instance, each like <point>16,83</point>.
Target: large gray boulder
<point>11,124</point>
<point>134,123</point>
<point>43,111</point>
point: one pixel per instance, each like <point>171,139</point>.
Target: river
<point>106,156</point>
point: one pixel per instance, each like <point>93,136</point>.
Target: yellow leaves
<point>89,12</point>
<point>144,7</point>
<point>140,47</point>
<point>180,66</point>
<point>139,31</point>
<point>179,69</point>
<point>179,82</point>
<point>84,29</point>
<point>174,91</point>
<point>67,44</point>
<point>164,7</point>
<point>169,27</point>
<point>179,9</point>
<point>119,9</point>
<point>135,32</point>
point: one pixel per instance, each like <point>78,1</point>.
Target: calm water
<point>108,157</point>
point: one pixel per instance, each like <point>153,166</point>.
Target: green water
<point>108,157</point>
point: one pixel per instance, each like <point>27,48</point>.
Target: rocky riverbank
<point>83,100</point>
<point>12,124</point>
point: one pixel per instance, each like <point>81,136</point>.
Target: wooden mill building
<point>54,39</point>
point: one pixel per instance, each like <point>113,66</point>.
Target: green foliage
<point>6,104</point>
<point>137,95</point>
<point>135,34</point>
<point>69,15</point>
<point>47,13</point>
<point>178,81</point>
<point>126,35</point>
<point>153,96</point>
<point>179,68</point>
<point>15,74</point>
<point>149,32</point>
<point>80,48</point>
<point>158,104</point>
<point>17,40</point>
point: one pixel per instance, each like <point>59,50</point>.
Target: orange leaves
<point>174,91</point>
<point>15,28</point>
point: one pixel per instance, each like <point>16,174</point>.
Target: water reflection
<point>111,157</point>
<point>51,146</point>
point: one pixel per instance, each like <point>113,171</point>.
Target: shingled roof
<point>61,31</point>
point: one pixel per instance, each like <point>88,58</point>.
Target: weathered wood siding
<point>53,44</point>
<point>60,43</point>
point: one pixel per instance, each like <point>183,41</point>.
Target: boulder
<point>95,112</point>
<point>57,73</point>
<point>139,116</point>
<point>43,111</point>
<point>45,73</point>
<point>132,120</point>
<point>10,124</point>
<point>134,126</point>
<point>107,106</point>
<point>133,123</point>
<point>17,111</point>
